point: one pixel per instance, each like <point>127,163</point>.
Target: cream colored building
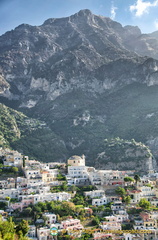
<point>76,161</point>
<point>50,175</point>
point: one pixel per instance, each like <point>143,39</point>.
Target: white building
<point>99,201</point>
<point>138,224</point>
<point>117,207</point>
<point>59,196</point>
<point>122,217</point>
<point>94,193</point>
<point>77,175</point>
<point>111,223</point>
<point>95,177</point>
<point>12,193</point>
<point>32,173</point>
<point>43,233</point>
<point>32,232</point>
<point>13,158</point>
<point>51,218</point>
<point>34,182</point>
<point>147,192</point>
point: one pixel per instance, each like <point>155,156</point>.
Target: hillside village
<point>77,201</point>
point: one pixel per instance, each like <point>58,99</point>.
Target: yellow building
<point>150,223</point>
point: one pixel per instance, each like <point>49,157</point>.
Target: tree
<point>127,199</point>
<point>3,205</point>
<point>96,220</point>
<point>100,208</point>
<point>67,209</point>
<point>143,203</point>
<point>28,211</point>
<point>60,177</point>
<point>23,162</point>
<point>64,186</point>
<point>128,179</point>
<point>7,229</point>
<point>73,188</point>
<point>22,227</point>
<point>85,236</point>
<point>121,191</point>
<point>14,170</point>
<point>45,219</point>
<point>136,178</point>
<point>78,200</point>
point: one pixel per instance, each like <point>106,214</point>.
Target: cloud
<point>113,12</point>
<point>141,7</point>
<point>156,24</point>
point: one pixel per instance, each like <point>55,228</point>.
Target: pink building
<point>73,224</point>
<point>25,202</point>
<point>17,205</point>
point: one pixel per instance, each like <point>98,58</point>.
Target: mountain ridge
<point>74,73</point>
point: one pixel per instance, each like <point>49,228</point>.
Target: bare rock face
<point>67,53</point>
<point>86,76</point>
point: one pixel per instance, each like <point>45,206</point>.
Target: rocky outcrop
<point>125,154</point>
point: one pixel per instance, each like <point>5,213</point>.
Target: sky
<point>141,13</point>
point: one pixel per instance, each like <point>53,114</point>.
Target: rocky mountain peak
<point>84,13</point>
<point>133,30</point>
<point>80,74</point>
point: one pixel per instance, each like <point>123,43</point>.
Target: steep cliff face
<point>86,76</point>
<point>81,51</point>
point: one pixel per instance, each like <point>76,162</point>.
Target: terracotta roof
<point>135,191</point>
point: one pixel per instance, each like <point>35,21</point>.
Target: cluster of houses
<point>39,177</point>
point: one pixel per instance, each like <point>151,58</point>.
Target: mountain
<point>87,77</point>
<point>29,136</point>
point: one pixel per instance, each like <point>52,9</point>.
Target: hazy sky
<point>141,13</point>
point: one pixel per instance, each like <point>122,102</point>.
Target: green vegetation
<point>10,231</point>
<point>121,191</point>
<point>148,185</point>
<point>123,115</point>
<point>96,221</point>
<point>143,203</point>
<point>133,211</point>
<point>136,178</point>
<point>5,170</point>
<point>3,205</point>
<point>59,188</point>
<point>61,177</point>
<point>120,150</point>
<point>30,136</point>
<point>127,199</point>
<point>62,209</point>
<point>128,179</point>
